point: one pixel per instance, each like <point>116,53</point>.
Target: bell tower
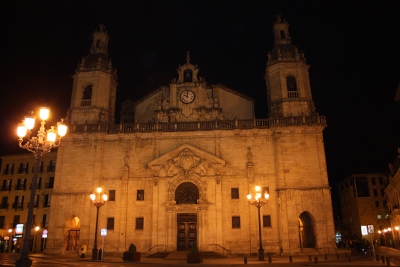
<point>287,79</point>
<point>94,85</point>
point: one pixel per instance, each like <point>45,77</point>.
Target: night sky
<point>352,48</point>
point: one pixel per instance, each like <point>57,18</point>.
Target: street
<point>8,259</point>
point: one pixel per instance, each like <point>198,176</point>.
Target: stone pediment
<point>186,160</point>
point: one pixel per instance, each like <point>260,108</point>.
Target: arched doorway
<point>306,231</point>
<point>72,233</point>
<point>186,193</point>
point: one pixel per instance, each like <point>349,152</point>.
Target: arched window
<point>283,36</point>
<point>97,43</point>
<point>186,193</point>
<point>87,96</point>
<point>187,76</point>
<point>292,87</point>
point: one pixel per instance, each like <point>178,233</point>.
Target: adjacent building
<point>16,181</point>
<point>363,203</point>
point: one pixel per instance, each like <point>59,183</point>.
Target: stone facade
<point>191,152</point>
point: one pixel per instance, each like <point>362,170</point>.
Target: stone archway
<point>72,234</point>
<point>306,231</point>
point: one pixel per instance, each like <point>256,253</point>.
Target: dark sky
<point>352,48</point>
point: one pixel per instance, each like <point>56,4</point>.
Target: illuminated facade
<point>180,164</point>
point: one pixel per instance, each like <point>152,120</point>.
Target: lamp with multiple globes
<point>98,200</point>
<point>38,145</point>
<point>259,201</point>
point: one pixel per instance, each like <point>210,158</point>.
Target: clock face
<point>187,96</point>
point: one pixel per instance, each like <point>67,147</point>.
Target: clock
<point>187,96</point>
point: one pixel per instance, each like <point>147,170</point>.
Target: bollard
<point>245,260</point>
<point>383,259</point>
<point>290,258</point>
<point>326,257</point>
<point>387,262</point>
<point>337,255</point>
<point>309,257</point>
<point>316,260</point>
<point>269,259</point>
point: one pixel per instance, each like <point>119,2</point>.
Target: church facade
<point>179,165</point>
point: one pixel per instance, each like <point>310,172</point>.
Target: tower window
<point>292,87</point>
<point>87,96</point>
<point>187,76</point>
<point>283,36</point>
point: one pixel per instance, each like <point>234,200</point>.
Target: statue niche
<point>186,193</point>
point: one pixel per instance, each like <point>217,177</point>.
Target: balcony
<point>4,206</point>
<point>20,187</point>
<point>46,204</point>
<point>48,185</point>
<point>200,125</point>
<point>17,206</point>
<point>5,188</point>
<point>22,170</point>
<point>35,205</point>
<point>51,168</point>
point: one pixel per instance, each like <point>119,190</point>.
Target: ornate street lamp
<point>98,200</point>
<point>259,201</point>
<point>39,145</point>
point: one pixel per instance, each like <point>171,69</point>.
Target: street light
<point>9,240</point>
<point>38,146</point>
<point>258,202</point>
<point>34,247</point>
<point>98,200</point>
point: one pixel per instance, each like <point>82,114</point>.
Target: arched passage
<point>72,233</point>
<point>306,231</point>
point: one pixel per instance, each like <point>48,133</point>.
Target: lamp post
<point>98,200</point>
<point>39,145</point>
<point>258,202</point>
<point>34,247</point>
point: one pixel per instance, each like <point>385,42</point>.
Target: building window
<point>380,180</point>
<point>264,189</point>
<point>52,166</point>
<point>50,184</point>
<point>139,223</point>
<point>291,87</point>
<point>9,169</point>
<point>235,221</point>
<point>47,201</point>
<point>188,75</point>
<point>16,220</point>
<point>2,222</point>
<point>266,220</point>
<point>21,184</point>
<point>234,193</point>
<point>383,192</point>
<point>23,168</point>
<point>375,193</point>
<point>44,221</point>
<point>140,195</point>
<point>377,204</point>
<point>110,223</point>
<point>111,195</point>
<point>87,96</point>
<point>373,181</point>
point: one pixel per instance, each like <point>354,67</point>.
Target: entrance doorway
<point>187,231</point>
<point>306,231</point>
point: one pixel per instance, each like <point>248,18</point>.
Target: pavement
<point>342,258</point>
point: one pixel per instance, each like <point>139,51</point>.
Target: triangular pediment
<point>186,159</point>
